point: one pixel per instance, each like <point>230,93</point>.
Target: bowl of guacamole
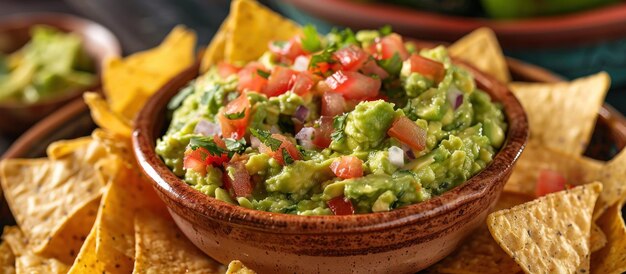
<point>347,144</point>
<point>47,60</point>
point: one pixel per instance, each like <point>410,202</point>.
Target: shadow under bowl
<point>98,42</point>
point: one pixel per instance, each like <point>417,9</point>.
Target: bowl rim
<point>176,190</point>
<point>110,46</point>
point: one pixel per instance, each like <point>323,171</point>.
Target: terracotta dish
<point>99,43</point>
<point>403,240</point>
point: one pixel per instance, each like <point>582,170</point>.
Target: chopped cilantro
<point>385,30</point>
<point>393,65</point>
<point>206,143</point>
<point>266,138</point>
<point>235,146</point>
<point>178,99</point>
<point>236,115</point>
<point>339,124</point>
<point>326,56</point>
<point>311,41</point>
<point>340,38</point>
<point>263,73</point>
<point>287,157</point>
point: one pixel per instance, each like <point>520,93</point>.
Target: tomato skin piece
<point>406,131</point>
<point>430,69</point>
<point>322,132</point>
<point>549,181</point>
<point>241,184</point>
<point>353,85</point>
<point>351,58</point>
<point>235,128</point>
<point>286,145</point>
<point>340,206</point>
<point>333,104</point>
<point>347,167</point>
<point>280,81</point>
<point>304,82</point>
<point>225,69</point>
<point>198,159</point>
<point>249,78</point>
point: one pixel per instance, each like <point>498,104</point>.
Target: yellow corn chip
<point>87,262</point>
<point>162,248</point>
<point>597,239</point>
<point>562,115</point>
<point>62,148</point>
<point>129,82</point>
<point>253,26</point>
<point>7,259</point>
<point>25,260</point>
<point>613,178</point>
<point>612,258</point>
<point>480,253</point>
<point>215,51</point>
<point>237,267</point>
<point>104,117</point>
<point>536,158</point>
<point>481,49</point>
<point>550,234</point>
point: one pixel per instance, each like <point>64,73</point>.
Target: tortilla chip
<point>25,260</point>
<point>550,234</point>
<point>129,82</point>
<point>253,28</point>
<point>115,238</point>
<point>597,239</point>
<point>7,259</point>
<point>562,115</point>
<point>162,248</point>
<point>87,262</point>
<point>613,178</point>
<point>480,253</point>
<point>481,49</point>
<point>612,258</point>
<point>536,158</point>
<point>237,267</point>
<point>44,194</point>
<point>104,117</point>
<point>215,51</point>
<point>60,149</point>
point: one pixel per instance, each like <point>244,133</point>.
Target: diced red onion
<point>302,113</point>
<point>301,63</point>
<point>255,142</point>
<point>396,156</point>
<point>305,137</point>
<point>207,128</point>
<point>455,97</point>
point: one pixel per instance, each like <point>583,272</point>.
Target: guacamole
<point>51,64</point>
<point>338,124</point>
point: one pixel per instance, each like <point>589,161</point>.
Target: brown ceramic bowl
<point>99,43</point>
<point>404,240</point>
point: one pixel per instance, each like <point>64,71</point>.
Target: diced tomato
<point>225,69</point>
<point>333,104</point>
<point>408,132</point>
<point>323,130</point>
<point>340,206</point>
<point>235,128</point>
<point>386,47</point>
<point>549,181</point>
<point>353,85</point>
<point>351,57</point>
<point>347,167</point>
<point>428,68</point>
<point>321,68</point>
<point>371,68</point>
<point>241,183</point>
<point>289,49</point>
<point>194,163</point>
<point>280,81</point>
<point>198,159</point>
<point>301,63</point>
<point>286,145</point>
<point>250,79</point>
<point>304,82</point>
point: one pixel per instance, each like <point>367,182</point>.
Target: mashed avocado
<point>354,130</point>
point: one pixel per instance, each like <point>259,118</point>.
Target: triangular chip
<point>25,260</point>
<point>87,261</point>
<point>129,82</point>
<point>481,49</point>
<point>613,178</point>
<point>7,259</point>
<point>562,115</point>
<point>104,117</point>
<point>536,158</point>
<point>612,258</point>
<point>253,26</point>
<point>60,149</point>
<point>215,50</point>
<point>237,267</point>
<point>162,248</point>
<point>550,234</point>
<point>597,239</point>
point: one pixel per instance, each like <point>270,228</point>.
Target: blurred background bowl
<point>98,42</point>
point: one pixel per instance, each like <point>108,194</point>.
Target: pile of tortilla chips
<point>87,208</point>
